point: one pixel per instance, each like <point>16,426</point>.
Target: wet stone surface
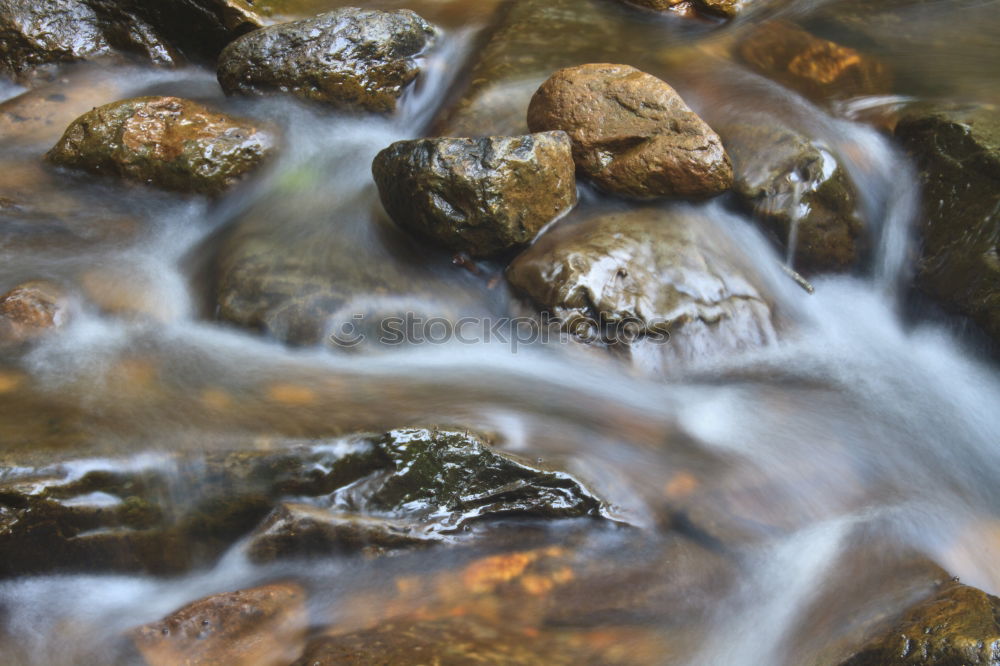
<point>168,142</point>
<point>662,286</point>
<point>957,151</point>
<point>479,196</point>
<point>632,134</point>
<point>797,187</point>
<point>351,58</point>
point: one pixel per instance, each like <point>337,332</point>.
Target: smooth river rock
<point>168,142</point>
<point>958,625</point>
<point>478,196</point>
<point>520,53</point>
<point>797,187</point>
<point>632,133</point>
<point>31,309</point>
<point>661,286</point>
<point>957,152</point>
<point>261,626</point>
<point>351,58</point>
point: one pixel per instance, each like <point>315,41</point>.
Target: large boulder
<point>797,187</point>
<point>632,133</point>
<point>34,34</point>
<point>478,196</point>
<point>661,286</point>
<point>261,626</point>
<point>351,58</point>
<point>957,625</point>
<point>817,68</point>
<point>169,142</point>
<point>957,152</point>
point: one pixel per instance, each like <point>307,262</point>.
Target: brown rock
<point>725,8</point>
<point>959,625</point>
<point>661,286</point>
<point>480,196</point>
<point>31,309</point>
<point>262,626</point>
<point>170,142</point>
<point>817,68</point>
<point>632,133</point>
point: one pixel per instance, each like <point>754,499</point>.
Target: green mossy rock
<point>957,152</point>
<point>168,142</point>
<point>478,196</point>
<point>351,58</point>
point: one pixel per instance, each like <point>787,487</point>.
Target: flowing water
<point>778,497</point>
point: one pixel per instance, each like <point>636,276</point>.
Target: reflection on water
<point>766,503</point>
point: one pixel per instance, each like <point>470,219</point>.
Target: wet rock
<point>335,265</point>
<point>661,286</point>
<point>351,58</point>
<point>296,530</point>
<point>34,34</point>
<point>724,8</point>
<point>169,142</point>
<point>521,53</point>
<point>632,133</point>
<point>30,309</point>
<point>479,196</point>
<point>261,626</point>
<point>819,69</point>
<point>797,187</point>
<point>958,625</point>
<point>163,516</point>
<point>448,479</point>
<point>957,152</point>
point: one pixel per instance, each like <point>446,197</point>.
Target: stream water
<point>779,498</point>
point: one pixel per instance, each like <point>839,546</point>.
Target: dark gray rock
<point>34,34</point>
<point>957,152</point>
<point>479,196</point>
<point>351,58</point>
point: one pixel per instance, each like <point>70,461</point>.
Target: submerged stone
<point>169,142</point>
<point>819,69</point>
<point>479,196</point>
<point>31,309</point>
<point>957,625</point>
<point>662,286</point>
<point>351,58</point>
<point>163,517</point>
<point>261,626</point>
<point>297,530</point>
<point>957,152</point>
<point>632,134</point>
<point>798,188</point>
